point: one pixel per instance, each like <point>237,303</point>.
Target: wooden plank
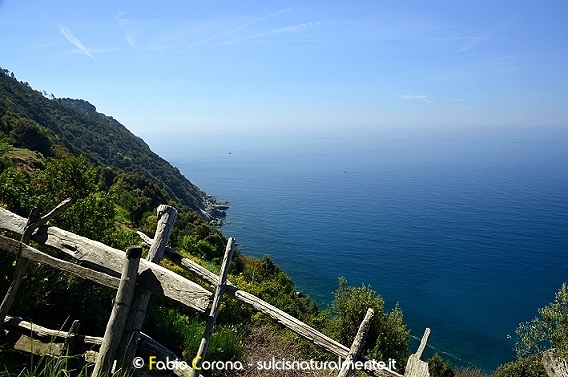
<point>12,222</point>
<point>153,277</point>
<point>119,315</point>
<point>554,365</point>
<point>34,255</point>
<point>36,346</point>
<point>41,332</point>
<point>416,367</point>
<point>257,303</point>
<point>19,272</point>
<point>349,363</point>
<point>261,305</point>
<point>50,215</point>
<point>290,322</point>
<point>217,298</point>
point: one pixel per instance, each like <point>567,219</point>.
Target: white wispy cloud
<point>429,101</point>
<point>412,97</point>
<point>389,26</point>
<point>128,28</point>
<point>96,50</point>
<point>386,26</point>
<point>262,37</point>
<point>242,26</point>
<point>474,41</point>
<point>494,65</point>
<point>46,45</point>
<point>75,41</point>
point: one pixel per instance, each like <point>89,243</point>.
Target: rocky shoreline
<point>214,210</point>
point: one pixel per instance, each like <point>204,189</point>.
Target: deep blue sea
<point>468,231</point>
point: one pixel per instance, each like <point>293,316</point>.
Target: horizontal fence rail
<point>153,277</point>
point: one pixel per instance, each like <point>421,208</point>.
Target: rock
<point>216,222</point>
<point>215,210</point>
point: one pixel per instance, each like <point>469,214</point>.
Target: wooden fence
<point>125,272</point>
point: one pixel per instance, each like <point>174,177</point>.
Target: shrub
<point>14,191</point>
<point>387,336</point>
<point>549,330</point>
<point>199,248</point>
<point>182,335</point>
<point>440,368</point>
<point>470,372</point>
<point>523,367</point>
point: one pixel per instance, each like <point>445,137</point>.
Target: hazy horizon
<point>221,68</point>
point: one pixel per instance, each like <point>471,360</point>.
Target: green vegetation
<point>522,367</point>
<point>440,368</point>
<point>387,337</point>
<point>45,366</point>
<point>182,334</point>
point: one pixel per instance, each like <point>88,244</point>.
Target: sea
<point>467,230</point>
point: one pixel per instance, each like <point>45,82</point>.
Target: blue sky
<point>210,67</point>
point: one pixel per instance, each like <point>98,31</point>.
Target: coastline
<point>215,211</point>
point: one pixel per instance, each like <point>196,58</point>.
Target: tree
<point>14,191</point>
<point>440,368</point>
<point>523,367</point>
<point>549,330</point>
<point>27,133</point>
<point>68,177</point>
<point>93,211</point>
<point>200,248</point>
<point>91,217</point>
<point>387,337</point>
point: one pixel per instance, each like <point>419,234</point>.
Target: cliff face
<point>47,124</point>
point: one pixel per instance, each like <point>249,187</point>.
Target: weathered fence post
<point>554,365</point>
<point>119,314</point>
<point>219,290</point>
<point>70,340</point>
<point>166,217</point>
<point>348,364</point>
<point>22,263</point>
<point>68,344</point>
<point>416,367</point>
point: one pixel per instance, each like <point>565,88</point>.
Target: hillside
<point>51,125</point>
